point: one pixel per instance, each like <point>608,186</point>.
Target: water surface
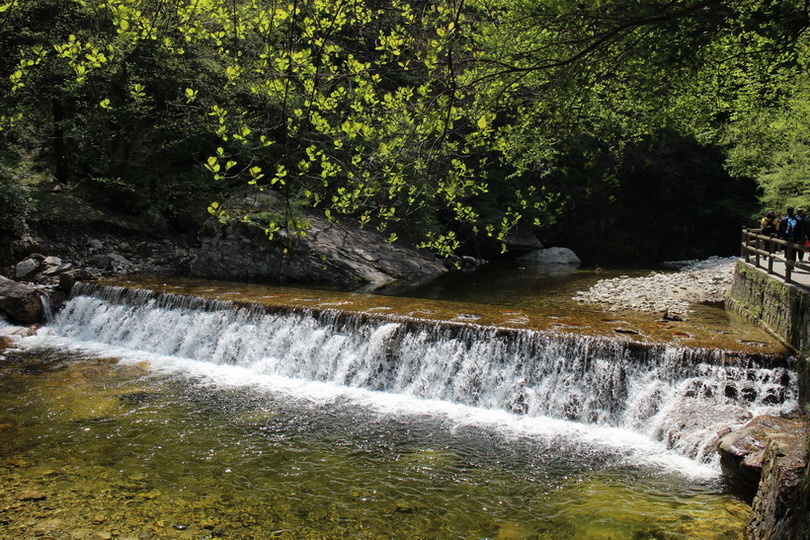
<point>96,446</point>
<point>101,440</point>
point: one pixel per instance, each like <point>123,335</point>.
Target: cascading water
<point>680,396</point>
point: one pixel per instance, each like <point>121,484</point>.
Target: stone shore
<point>672,294</point>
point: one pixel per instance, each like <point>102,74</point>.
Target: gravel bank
<point>671,294</point>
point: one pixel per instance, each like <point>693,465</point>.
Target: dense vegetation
<point>630,130</point>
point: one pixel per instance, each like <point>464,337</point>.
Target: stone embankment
<point>46,269</point>
<point>671,294</point>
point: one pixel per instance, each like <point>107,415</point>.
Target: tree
<point>453,114</point>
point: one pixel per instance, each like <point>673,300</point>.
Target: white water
<point>662,406</point>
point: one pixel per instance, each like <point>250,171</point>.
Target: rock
<point>88,534</point>
<point>328,252</point>
<point>52,261</point>
<point>20,302</point>
<point>25,268</point>
<point>777,509</point>
<point>32,496</point>
<point>626,331</point>
<point>69,279</point>
<point>119,260</point>
<point>553,255</point>
<point>742,451</point>
<point>522,241</point>
<point>95,243</point>
<point>101,261</point>
<point>672,314</point>
<point>59,269</point>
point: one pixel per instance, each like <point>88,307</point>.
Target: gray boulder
<point>25,268</point>
<point>553,255</point>
<point>328,253</point>
<point>522,241</point>
<point>21,303</point>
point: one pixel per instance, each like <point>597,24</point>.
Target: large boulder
<point>21,303</point>
<point>327,252</point>
<point>742,452</point>
<point>522,241</point>
<point>778,509</point>
<point>552,255</point>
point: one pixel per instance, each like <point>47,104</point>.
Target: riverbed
<point>103,441</point>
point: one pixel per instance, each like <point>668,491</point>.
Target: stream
<point>486,407</point>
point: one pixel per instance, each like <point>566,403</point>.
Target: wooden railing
<point>765,250</point>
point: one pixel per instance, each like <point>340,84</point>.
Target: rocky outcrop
<point>329,253</point>
<point>552,255</point>
<point>765,460</point>
<point>326,252</point>
<point>21,303</point>
<point>742,451</point>
<point>777,512</point>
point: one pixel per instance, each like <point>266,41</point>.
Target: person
<point>769,223</point>
<point>801,235</point>
<point>788,229</point>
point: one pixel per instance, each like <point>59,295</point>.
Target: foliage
<point>438,119</point>
<point>15,205</point>
<point>773,145</point>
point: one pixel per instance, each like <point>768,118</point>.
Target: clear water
<point>121,448</point>
<point>99,440</point>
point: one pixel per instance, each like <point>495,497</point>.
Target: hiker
<point>769,223</point>
<point>770,227</point>
<point>789,230</point>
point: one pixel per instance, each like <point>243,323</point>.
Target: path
<point>797,277</point>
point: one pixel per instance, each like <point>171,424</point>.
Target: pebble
<point>672,293</point>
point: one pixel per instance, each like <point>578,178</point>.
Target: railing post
<point>790,254</point>
<point>744,245</point>
<point>770,254</point>
<point>759,247</point>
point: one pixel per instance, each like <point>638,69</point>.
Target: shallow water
<point>510,296</point>
<point>99,441</point>
<point>125,450</point>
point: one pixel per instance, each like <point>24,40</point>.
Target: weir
<point>680,396</point>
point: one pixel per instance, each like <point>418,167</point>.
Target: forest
<point>631,131</point>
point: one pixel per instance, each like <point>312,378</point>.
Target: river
<point>485,407</point>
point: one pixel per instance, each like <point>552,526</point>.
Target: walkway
<point>797,277</point>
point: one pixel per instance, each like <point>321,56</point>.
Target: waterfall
<point>676,395</point>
